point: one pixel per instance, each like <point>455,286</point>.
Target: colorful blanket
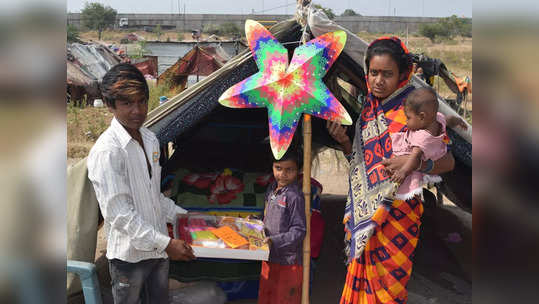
<point>228,192</point>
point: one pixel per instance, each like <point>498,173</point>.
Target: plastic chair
<point>88,277</point>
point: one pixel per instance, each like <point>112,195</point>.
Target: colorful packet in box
<point>230,237</point>
<point>245,238</point>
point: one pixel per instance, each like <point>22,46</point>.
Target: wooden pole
<point>301,18</point>
<point>170,149</point>
<point>307,139</point>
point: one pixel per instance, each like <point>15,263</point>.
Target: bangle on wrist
<point>429,167</point>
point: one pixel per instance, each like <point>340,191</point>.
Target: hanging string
<point>290,42</point>
<point>301,11</point>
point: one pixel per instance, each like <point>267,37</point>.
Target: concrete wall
<point>189,22</point>
<point>383,24</point>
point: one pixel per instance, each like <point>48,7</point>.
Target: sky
<point>414,8</point>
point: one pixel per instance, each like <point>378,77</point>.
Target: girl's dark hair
<point>123,81</point>
<point>393,49</point>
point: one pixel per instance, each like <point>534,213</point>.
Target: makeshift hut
<point>147,65</point>
<point>96,59</point>
<point>203,141</point>
<point>80,83</point>
<point>86,65</point>
<point>200,61</point>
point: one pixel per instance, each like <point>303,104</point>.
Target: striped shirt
<point>134,209</point>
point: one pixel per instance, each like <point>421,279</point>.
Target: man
<point>123,166</point>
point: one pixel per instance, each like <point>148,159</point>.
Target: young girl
<point>424,140</point>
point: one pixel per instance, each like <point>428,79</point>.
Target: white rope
<point>304,8</point>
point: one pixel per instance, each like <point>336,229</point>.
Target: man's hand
<point>179,250</point>
<point>267,241</point>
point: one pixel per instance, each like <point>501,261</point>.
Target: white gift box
<point>218,249</point>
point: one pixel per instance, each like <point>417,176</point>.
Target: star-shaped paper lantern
<point>288,90</point>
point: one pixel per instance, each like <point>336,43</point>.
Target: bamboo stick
<point>301,17</point>
<point>307,139</point>
<point>170,149</point>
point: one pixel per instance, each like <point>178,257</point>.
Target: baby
<point>424,140</point>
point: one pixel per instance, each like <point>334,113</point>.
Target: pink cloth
<point>433,148</point>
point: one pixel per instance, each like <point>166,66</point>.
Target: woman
<point>381,232</point>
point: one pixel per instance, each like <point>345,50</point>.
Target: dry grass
<point>84,125</point>
<point>115,36</point>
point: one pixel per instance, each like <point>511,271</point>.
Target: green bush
<point>434,30</point>
<point>142,48</point>
<point>428,30</point>
<point>465,30</point>
<point>96,16</point>
<point>228,28</point>
<point>72,33</point>
<point>328,11</point>
<point>158,32</point>
<point>349,12</point>
<point>212,29</point>
<point>447,28</point>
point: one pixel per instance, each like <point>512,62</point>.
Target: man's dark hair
<point>422,99</point>
<point>393,49</point>
<point>123,82</point>
<point>292,155</point>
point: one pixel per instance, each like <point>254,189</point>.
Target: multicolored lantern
<point>288,90</point>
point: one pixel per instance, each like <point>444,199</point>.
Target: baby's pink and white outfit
<point>433,148</point>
